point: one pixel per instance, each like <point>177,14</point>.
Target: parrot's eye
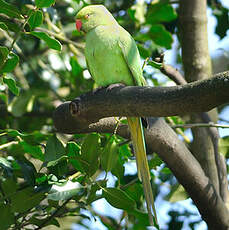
<point>86,16</point>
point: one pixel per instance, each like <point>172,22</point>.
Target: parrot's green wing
<point>131,56</point>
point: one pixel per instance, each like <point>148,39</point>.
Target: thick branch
<point>197,66</point>
<point>146,101</point>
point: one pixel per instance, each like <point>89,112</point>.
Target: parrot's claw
<point>112,86</point>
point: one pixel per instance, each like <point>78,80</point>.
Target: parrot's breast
<point>104,58</point>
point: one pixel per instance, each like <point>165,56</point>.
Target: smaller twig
<point>145,63</point>
<point>224,120</point>
<point>178,129</point>
<point>8,144</point>
<point>50,24</point>
<point>60,37</point>
<point>19,32</point>
<point>173,74</point>
<point>130,183</point>
<point>188,126</point>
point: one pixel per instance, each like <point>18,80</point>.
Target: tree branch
<point>146,101</point>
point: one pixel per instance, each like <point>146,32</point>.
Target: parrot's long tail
<point>136,130</point>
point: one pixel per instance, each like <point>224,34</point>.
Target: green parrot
<point>112,57</point>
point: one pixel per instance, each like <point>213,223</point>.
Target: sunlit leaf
<point>65,191</point>
<point>177,193</point>
<point>224,146</point>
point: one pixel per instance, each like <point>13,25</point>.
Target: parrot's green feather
<point>130,54</point>
<point>112,57</point>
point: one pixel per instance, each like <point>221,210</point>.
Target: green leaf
<point>73,152</point>
<point>142,217</point>
<point>6,217</point>
<point>135,191</point>
<point>34,138</point>
<point>65,191</point>
<point>90,151</point>
<point>35,151</point>
<point>10,63</point>
<point>76,68</point>
<point>94,188</point>
<point>10,10</point>
<point>9,186</point>
<point>28,171</point>
<point>10,24</point>
<point>222,21</point>
<point>118,170</point>
<point>160,12</point>
<point>35,19</point>
<point>155,161</point>
<point>161,36</point>
<point>55,156</point>
<point>44,3</point>
<point>110,155</point>
<point>54,149</point>
<point>118,199</point>
<point>51,42</point>
<point>26,199</point>
<point>3,26</point>
<point>10,82</point>
<point>3,55</point>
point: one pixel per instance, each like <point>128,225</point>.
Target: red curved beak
<point>78,24</point>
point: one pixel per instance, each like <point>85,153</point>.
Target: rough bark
<point>197,66</point>
<point>198,96</point>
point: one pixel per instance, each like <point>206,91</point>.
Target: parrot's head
<point>92,16</point>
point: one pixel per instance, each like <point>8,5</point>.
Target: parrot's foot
<point>112,86</point>
<point>99,88</point>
